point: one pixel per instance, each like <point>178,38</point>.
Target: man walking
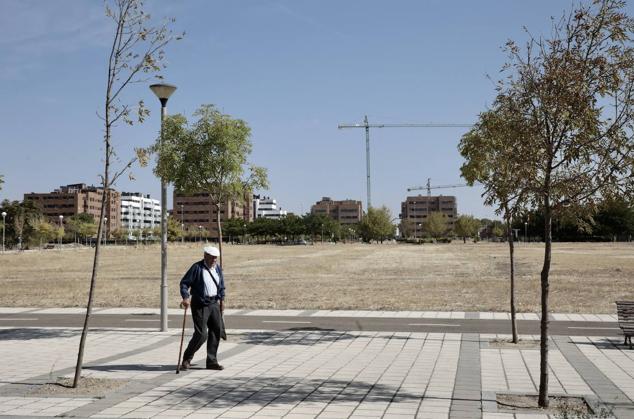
<point>206,284</point>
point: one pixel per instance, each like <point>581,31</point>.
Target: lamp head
<point>163,91</point>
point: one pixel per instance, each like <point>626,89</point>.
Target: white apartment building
<point>139,211</point>
<point>266,207</point>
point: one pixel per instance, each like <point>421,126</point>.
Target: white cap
<point>212,250</point>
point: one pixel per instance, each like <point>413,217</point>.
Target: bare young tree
<point>136,55</point>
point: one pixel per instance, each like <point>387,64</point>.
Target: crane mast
<point>366,125</point>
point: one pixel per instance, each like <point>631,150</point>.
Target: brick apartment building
<point>345,212</point>
<point>195,211</point>
<point>76,199</point>
<point>415,209</point>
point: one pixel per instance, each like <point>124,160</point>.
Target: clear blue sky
<point>292,69</point>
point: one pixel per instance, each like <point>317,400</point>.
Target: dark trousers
<point>207,327</point>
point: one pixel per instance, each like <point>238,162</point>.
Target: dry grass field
<point>585,278</point>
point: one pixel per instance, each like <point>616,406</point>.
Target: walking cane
<point>180,351</point>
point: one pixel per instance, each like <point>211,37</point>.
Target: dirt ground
<point>585,278</point>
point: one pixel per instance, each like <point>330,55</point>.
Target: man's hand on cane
<point>185,303</point>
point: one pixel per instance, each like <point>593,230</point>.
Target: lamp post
<point>525,230</point>
<point>4,223</point>
<point>61,220</point>
<point>244,233</point>
<point>200,232</point>
<point>163,92</point>
<point>105,230</point>
<point>182,225</point>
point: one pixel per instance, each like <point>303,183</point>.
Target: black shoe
<point>215,366</point>
<point>185,365</point>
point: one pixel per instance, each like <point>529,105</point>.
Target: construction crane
<point>367,127</point>
<point>429,187</point>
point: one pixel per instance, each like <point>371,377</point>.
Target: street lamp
<point>4,223</point>
<point>182,225</point>
<point>244,233</point>
<point>163,92</point>
<point>200,232</point>
<point>105,230</point>
<point>525,230</point>
<point>61,220</point>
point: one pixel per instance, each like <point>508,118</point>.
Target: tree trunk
<point>95,264</point>
<point>543,350</point>
<point>509,232</point>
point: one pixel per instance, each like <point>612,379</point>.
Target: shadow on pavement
<point>129,367</point>
<point>36,333</point>
<point>307,336</point>
<point>605,343</point>
<point>272,391</point>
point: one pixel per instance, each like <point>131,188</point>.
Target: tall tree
<point>135,55</point>
<point>376,225</point>
<point>436,225</point>
<point>571,96</point>
<point>466,226</point>
<point>211,157</point>
<point>20,221</point>
<point>408,227</point>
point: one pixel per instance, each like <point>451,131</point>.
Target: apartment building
<point>139,211</point>
<point>197,212</point>
<point>76,199</point>
<point>266,207</point>
<point>347,211</point>
<point>415,209</point>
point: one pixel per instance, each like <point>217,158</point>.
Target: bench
<point>625,311</point>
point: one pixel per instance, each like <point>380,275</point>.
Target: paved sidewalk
<point>334,313</point>
<point>307,374</point>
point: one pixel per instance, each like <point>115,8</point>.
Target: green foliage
<point>497,229</point>
<point>21,221</point>
<point>376,225</point>
<point>466,226</point>
<point>408,228</point>
<point>210,156</point>
<point>321,225</point>
<point>43,231</point>
<point>289,229</point>
<point>614,218</point>
<point>491,151</point>
<point>436,225</point>
<point>235,228</point>
<point>292,226</point>
<point>174,230</point>
<point>82,224</point>
<point>120,234</point>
